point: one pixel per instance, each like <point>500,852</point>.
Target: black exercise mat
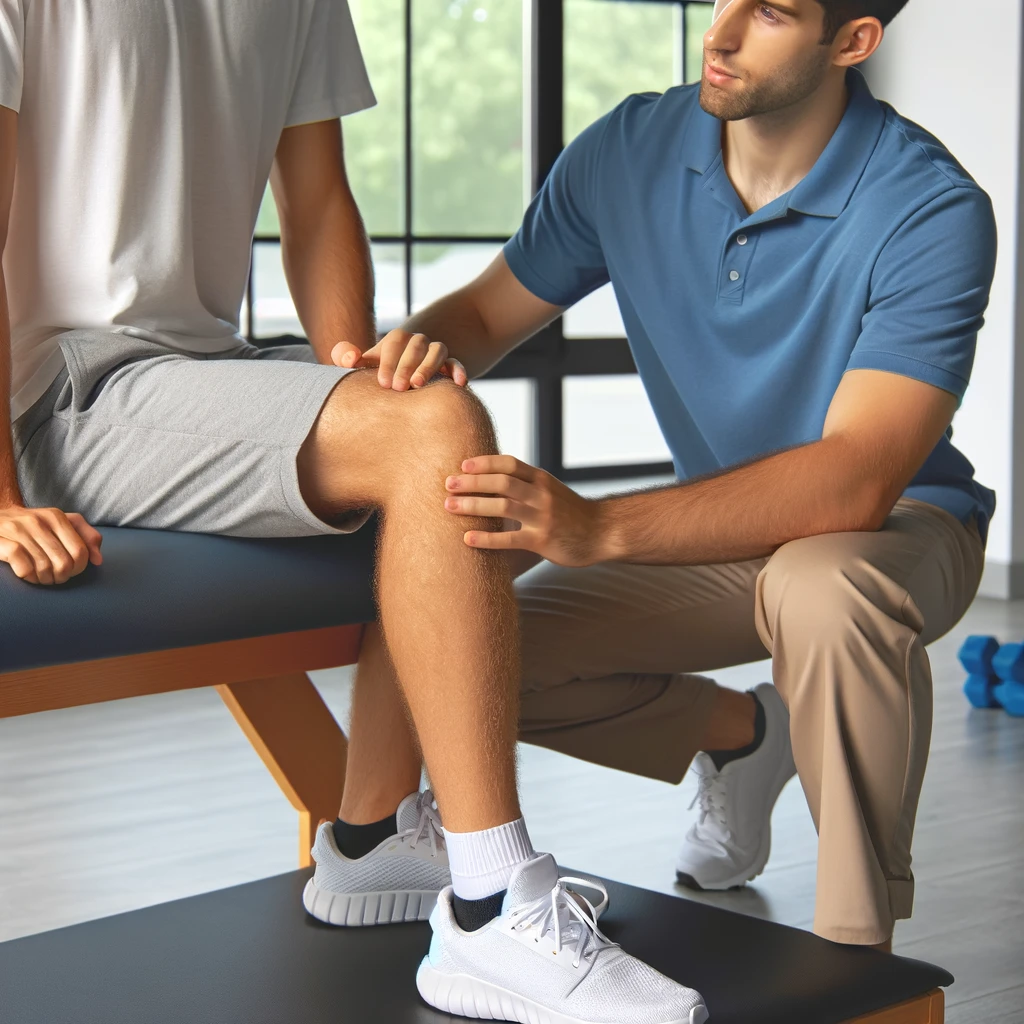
<point>250,955</point>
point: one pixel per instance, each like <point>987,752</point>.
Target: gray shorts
<point>135,434</point>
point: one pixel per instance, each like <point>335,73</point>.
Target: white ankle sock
<point>481,862</point>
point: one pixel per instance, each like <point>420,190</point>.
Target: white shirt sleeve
<point>332,79</point>
<point>12,49</point>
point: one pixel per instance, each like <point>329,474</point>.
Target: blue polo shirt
<point>742,324</point>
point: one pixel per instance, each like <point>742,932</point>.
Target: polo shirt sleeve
<point>929,292</point>
<point>12,49</point>
<point>556,254</point>
<point>332,79</point>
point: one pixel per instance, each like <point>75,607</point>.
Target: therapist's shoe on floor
<point>729,844</point>
<point>543,960</point>
<point>397,881</point>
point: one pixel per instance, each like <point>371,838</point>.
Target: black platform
<point>250,955</point>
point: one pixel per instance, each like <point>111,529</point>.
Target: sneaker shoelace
<point>560,913</point>
<point>428,827</point>
<point>712,796</point>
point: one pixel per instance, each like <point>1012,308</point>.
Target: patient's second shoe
<point>543,960</point>
<point>397,881</point>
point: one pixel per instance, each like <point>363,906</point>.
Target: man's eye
<point>768,13</point>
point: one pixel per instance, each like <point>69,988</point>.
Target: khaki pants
<point>609,652</point>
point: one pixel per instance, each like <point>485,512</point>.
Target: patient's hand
<point>43,545</point>
<point>403,360</point>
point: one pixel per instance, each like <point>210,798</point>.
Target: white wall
<point>957,72</point>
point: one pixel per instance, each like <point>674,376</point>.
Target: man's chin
<point>716,105</point>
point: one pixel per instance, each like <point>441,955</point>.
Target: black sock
<point>471,915</point>
<point>355,841</point>
<point>723,757</point>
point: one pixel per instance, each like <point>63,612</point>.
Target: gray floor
<point>108,808</point>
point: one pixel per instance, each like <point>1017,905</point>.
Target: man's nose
<point>721,35</point>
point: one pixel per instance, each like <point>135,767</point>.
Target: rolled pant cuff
<point>901,898</point>
<point>901,907</point>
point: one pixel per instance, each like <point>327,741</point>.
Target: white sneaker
<point>397,881</point>
<point>730,842</point>
<point>544,961</point>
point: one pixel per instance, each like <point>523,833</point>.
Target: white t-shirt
<point>146,133</point>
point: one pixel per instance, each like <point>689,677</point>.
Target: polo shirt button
<point>741,239</point>
<point>734,275</point>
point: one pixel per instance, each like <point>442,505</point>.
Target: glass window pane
<point>613,49</point>
<point>511,404</point>
<point>243,315</point>
<point>267,224</point>
<point>389,277</point>
<point>440,269</point>
<point>596,316</point>
<point>274,312</point>
<point>608,421</point>
<point>374,138</point>
<point>467,116</point>
<point>698,21</point>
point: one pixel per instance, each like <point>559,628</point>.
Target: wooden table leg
<point>291,728</point>
<point>927,1009</point>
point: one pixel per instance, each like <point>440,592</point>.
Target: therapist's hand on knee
<point>45,545</point>
<point>403,360</point>
<point>554,521</point>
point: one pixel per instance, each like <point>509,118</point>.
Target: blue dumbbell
<point>977,655</point>
<point>1008,665</point>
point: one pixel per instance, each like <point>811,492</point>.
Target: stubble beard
<point>782,89</point>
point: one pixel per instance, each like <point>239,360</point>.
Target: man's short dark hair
<point>839,12</point>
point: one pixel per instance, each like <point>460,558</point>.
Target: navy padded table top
<point>250,955</point>
<point>157,591</point>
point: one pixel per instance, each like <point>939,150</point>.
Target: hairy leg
<point>447,612</point>
<point>384,758</point>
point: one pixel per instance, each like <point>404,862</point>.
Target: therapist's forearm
<point>824,487</point>
<point>330,275</point>
<point>456,321</point>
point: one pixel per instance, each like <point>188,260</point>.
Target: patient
<point>142,137</point>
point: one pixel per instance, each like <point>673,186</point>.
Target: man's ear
<point>856,42</point>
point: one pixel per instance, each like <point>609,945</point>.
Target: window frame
<point>548,357</point>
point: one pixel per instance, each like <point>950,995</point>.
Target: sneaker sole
<point>737,881</point>
<point>359,909</point>
<point>464,996</point>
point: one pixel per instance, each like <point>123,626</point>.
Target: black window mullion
<point>408,237</point>
<point>547,95</point>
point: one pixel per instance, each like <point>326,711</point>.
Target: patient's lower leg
<point>384,759</point>
<point>447,611</point>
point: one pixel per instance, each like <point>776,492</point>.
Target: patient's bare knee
<point>370,444</point>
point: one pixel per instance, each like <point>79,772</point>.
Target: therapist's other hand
<point>43,545</point>
<point>403,360</point>
<point>554,521</point>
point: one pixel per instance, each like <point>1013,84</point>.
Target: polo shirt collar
<point>827,189</point>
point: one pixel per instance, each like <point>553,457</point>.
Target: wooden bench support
<point>283,716</point>
<point>182,668</point>
<point>294,732</point>
<point>928,1009</point>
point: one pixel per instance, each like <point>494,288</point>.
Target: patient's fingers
<point>92,537</point>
